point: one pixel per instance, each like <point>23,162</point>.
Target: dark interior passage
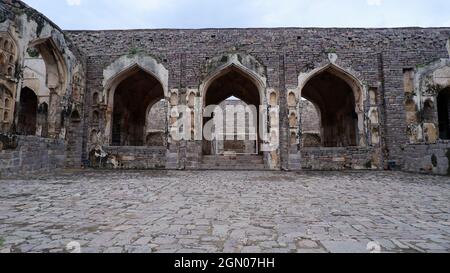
<point>131,101</point>
<point>335,99</point>
<point>28,107</point>
<point>444,113</point>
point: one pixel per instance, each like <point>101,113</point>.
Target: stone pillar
<point>54,115</point>
<point>273,122</point>
<point>173,145</point>
<point>284,119</point>
<point>294,112</point>
<point>193,146</point>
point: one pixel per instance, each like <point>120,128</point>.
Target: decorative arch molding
<point>120,70</point>
<point>6,36</point>
<point>254,71</point>
<point>56,68</point>
<point>359,89</point>
<point>429,81</point>
<point>124,66</point>
<point>244,64</point>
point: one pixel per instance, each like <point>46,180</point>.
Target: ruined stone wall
<point>379,60</point>
<point>136,157</point>
<point>428,158</point>
<point>310,118</point>
<point>28,155</point>
<point>59,86</point>
<point>156,118</point>
<point>345,158</point>
<point>376,57</point>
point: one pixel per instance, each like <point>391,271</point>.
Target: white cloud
<point>374,2</point>
<point>144,5</point>
<point>73,2</point>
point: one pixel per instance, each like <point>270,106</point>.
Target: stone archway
<point>235,79</point>
<point>339,97</point>
<point>235,84</point>
<point>147,80</point>
<point>132,98</point>
<point>56,80</point>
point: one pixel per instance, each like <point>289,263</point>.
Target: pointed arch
<point>234,63</point>
<point>356,85</point>
<point>124,66</point>
<point>118,72</point>
<point>56,67</point>
<point>243,77</point>
<point>348,106</point>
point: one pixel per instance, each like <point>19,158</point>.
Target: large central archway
<point>230,90</point>
<point>132,98</point>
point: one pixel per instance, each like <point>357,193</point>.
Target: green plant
<point>331,50</point>
<point>134,51</point>
<point>33,52</point>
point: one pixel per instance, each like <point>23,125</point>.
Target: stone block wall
<point>377,57</point>
<point>32,155</point>
<point>346,158</point>
<point>427,158</point>
<point>136,157</point>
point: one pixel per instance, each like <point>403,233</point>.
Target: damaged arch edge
<point>233,62</point>
<point>245,63</point>
<point>126,63</point>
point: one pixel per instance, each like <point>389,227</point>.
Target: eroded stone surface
<point>165,211</point>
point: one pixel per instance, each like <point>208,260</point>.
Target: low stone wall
<point>427,158</point>
<point>346,158</point>
<point>25,155</point>
<point>137,157</point>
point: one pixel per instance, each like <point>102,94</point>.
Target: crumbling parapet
<point>421,101</point>
<point>59,91</point>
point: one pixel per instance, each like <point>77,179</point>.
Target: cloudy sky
<point>129,14</point>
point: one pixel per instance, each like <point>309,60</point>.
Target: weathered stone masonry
<point>372,89</point>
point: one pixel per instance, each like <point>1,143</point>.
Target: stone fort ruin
<point>328,99</point>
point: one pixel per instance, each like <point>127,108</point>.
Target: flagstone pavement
<point>225,211</point>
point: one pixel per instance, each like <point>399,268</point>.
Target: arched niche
<point>28,110</point>
<point>8,54</point>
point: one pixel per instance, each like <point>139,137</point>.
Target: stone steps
<point>233,162</point>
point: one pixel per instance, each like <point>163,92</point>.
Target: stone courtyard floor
<point>220,211</point>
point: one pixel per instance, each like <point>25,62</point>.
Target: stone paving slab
<point>220,211</point>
